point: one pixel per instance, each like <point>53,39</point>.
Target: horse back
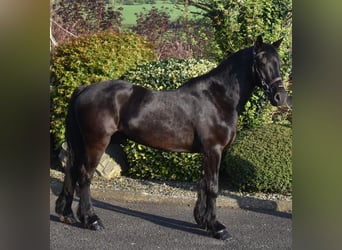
<point>98,107</point>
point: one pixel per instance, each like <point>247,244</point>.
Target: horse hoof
<point>67,219</point>
<point>222,235</point>
<point>202,225</point>
<point>96,225</point>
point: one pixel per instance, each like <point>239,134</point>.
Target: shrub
<point>167,74</point>
<point>257,111</point>
<point>149,163</point>
<point>260,160</point>
<point>90,59</point>
<point>152,163</point>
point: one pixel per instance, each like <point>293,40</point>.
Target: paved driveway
<point>144,225</point>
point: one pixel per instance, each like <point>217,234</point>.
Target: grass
<point>173,10</point>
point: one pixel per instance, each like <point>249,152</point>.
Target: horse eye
<point>263,61</point>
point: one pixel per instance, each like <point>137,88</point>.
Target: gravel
<point>160,188</point>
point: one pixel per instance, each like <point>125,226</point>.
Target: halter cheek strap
<point>266,87</point>
<point>275,80</point>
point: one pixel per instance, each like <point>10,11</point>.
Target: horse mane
<point>220,73</point>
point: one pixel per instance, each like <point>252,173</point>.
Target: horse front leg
<point>205,209</point>
<point>201,203</point>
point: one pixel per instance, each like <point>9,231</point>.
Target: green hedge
<point>155,164</point>
<point>258,111</point>
<point>260,160</point>
<point>149,163</point>
<point>167,74</point>
<point>90,59</point>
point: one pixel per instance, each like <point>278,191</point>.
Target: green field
<point>174,11</point>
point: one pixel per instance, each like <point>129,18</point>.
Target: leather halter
<point>265,86</point>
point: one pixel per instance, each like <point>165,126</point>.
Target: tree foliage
<point>238,23</point>
<point>183,38</point>
<point>153,25</point>
<point>81,17</point>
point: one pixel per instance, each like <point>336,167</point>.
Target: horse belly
<point>160,120</point>
<point>165,135</point>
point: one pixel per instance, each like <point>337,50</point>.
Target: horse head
<point>266,67</point>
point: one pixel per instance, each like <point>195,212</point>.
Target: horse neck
<point>238,77</point>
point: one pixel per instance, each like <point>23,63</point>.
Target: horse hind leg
<point>85,211</point>
<point>64,201</point>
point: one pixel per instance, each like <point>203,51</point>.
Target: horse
<point>198,117</point>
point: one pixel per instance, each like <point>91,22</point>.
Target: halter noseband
<point>266,87</point>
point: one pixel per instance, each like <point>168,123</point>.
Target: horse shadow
<point>167,222</point>
<point>259,206</point>
<point>56,185</point>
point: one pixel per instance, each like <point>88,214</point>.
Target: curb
<point>223,200</point>
<point>248,203</point>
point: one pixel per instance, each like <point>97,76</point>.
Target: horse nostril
<point>277,97</point>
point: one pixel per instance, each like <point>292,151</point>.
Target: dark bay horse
<point>200,116</point>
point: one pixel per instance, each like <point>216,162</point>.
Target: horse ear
<point>277,43</point>
<point>258,42</point>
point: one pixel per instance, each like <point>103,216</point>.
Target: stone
<point>112,164</point>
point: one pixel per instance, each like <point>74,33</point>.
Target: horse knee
<point>83,179</point>
<point>212,190</point>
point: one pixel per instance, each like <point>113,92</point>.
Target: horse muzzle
<point>289,102</point>
<point>280,98</point>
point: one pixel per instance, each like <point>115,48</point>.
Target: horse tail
<point>73,136</point>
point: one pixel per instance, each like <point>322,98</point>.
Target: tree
<point>237,23</point>
<point>152,24</point>
<point>79,17</point>
<point>183,38</point>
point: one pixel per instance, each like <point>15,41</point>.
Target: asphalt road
<point>143,225</point>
